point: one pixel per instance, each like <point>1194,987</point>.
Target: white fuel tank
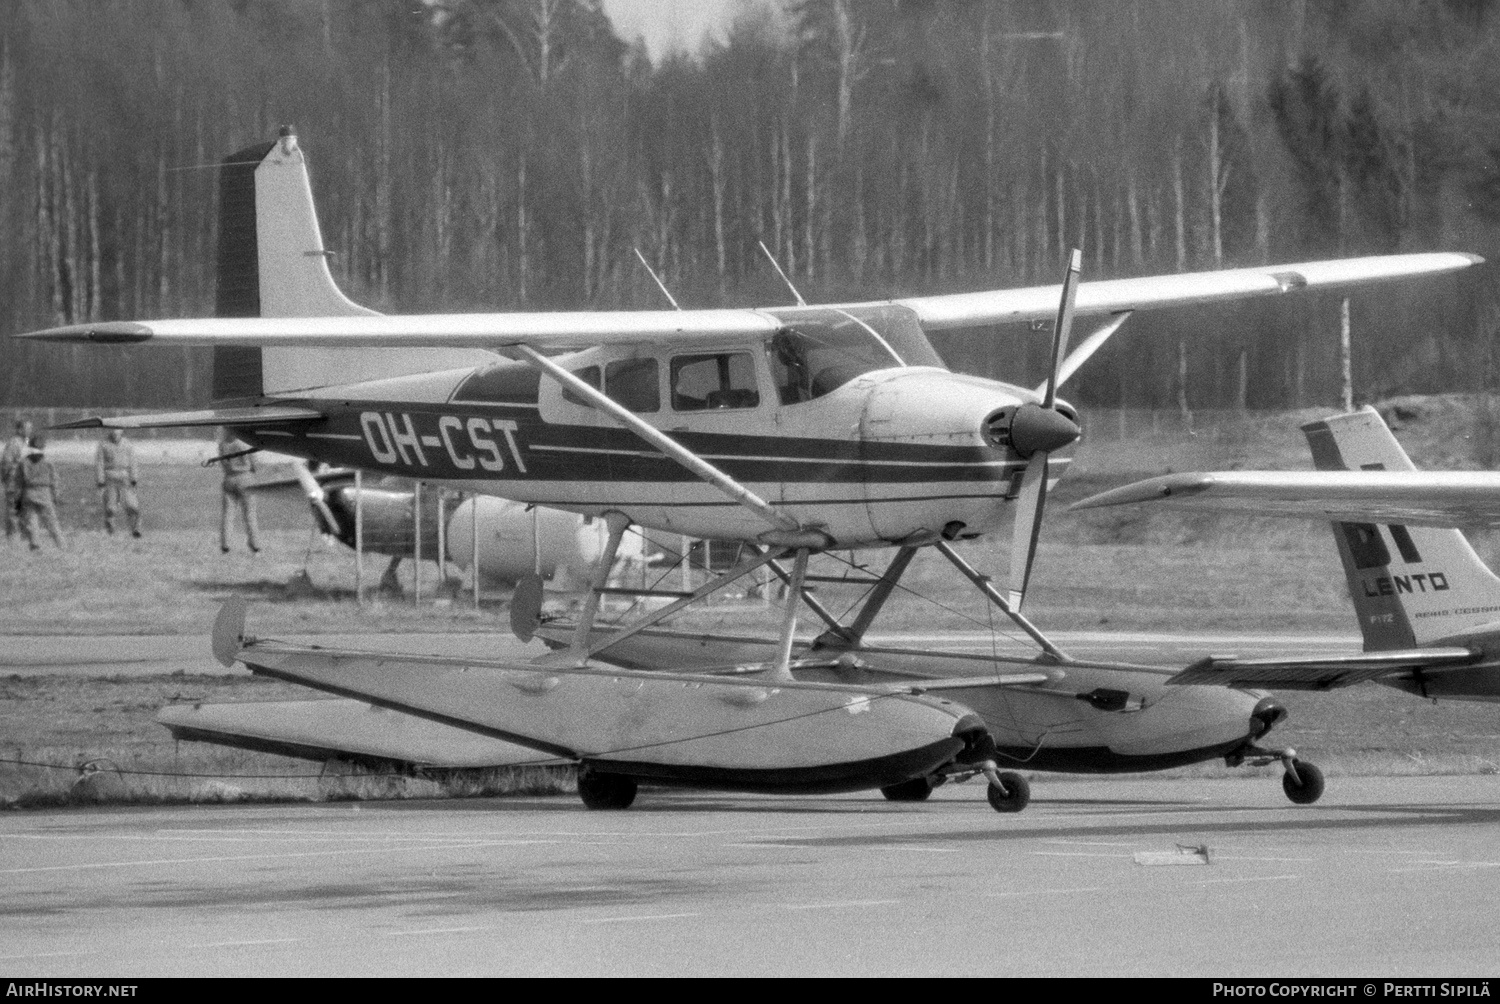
<point>515,542</point>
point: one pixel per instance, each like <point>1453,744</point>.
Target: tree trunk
<point>1346,356</point>
<point>1182,379</point>
<point>1179,206</point>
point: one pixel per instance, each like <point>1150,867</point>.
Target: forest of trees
<point>506,154</point>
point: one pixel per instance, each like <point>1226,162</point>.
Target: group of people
<point>32,487</point>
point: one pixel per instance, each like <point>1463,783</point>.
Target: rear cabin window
<point>714,380</point>
<point>634,383</point>
<point>631,382</point>
<point>502,383</point>
<point>590,376</point>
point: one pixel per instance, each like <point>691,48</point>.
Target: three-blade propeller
<point>1036,431</point>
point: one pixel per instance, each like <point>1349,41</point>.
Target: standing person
<point>115,474</point>
<point>38,480</point>
<point>239,471</point>
<point>10,465</point>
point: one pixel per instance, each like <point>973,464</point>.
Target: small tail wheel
<point>1014,796</point>
<point>605,791</point>
<point>1306,787</point>
<point>915,790</point>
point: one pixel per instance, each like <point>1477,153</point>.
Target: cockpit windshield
<point>819,349</point>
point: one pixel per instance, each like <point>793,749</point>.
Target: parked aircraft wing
<point>1415,498</point>
<point>1110,296</point>
<point>1318,673</point>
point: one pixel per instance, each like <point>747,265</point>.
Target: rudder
<point>272,263</point>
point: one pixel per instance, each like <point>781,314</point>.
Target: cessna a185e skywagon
<point>790,429</point>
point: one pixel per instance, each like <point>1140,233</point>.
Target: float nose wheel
<point>605,791</point>
<point>1302,782</point>
<point>1008,791</point>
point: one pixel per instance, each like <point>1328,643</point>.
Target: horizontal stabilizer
<point>1319,673</point>
<point>1415,498</point>
<point>270,415</point>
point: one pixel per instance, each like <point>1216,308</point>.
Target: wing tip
<point>98,333</point>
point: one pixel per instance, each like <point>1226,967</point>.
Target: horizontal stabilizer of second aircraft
<point>1317,673</point>
<point>269,415</point>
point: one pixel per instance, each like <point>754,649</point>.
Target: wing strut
<point>983,583</point>
<point>1087,348</point>
<point>787,533</point>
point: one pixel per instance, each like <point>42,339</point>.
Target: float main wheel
<point>605,791</point>
<point>915,790</point>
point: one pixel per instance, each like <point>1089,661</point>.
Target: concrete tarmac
<point>1385,877</point>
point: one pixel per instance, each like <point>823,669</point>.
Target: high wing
<point>1112,296</point>
<point>1414,498</point>
<point>563,330</point>
<point>1318,673</point>
<point>548,331</point>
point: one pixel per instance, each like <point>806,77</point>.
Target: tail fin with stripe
<point>272,263</point>
<point>1411,586</point>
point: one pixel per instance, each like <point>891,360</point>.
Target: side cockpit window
<point>712,381</point>
<point>631,382</point>
<point>819,349</point>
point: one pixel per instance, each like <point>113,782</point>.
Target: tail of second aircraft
<point>1411,586</point>
<point>272,263</point>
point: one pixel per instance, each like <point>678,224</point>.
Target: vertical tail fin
<point>1411,586</point>
<point>272,263</point>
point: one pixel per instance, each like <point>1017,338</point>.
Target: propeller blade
<point>1030,504</point>
<point>1035,432</point>
<point>1064,324</point>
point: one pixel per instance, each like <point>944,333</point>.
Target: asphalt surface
<point>151,655</point>
<point>1383,878</point>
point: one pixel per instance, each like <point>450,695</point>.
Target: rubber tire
<point>1311,788</point>
<point>1019,793</point>
<point>606,791</point>
<point>915,790</point>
